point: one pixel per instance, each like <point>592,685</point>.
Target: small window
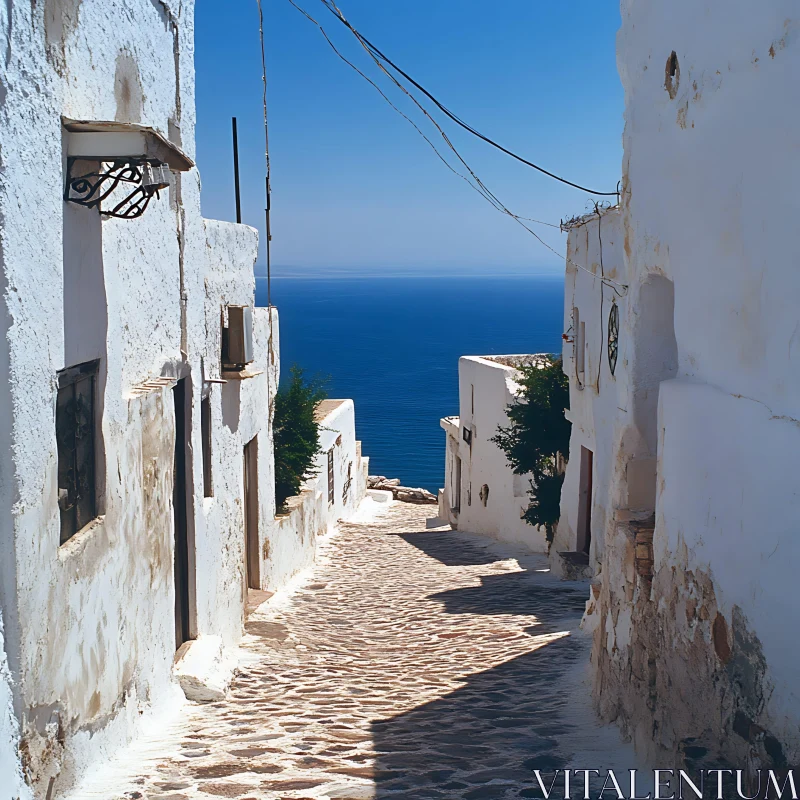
<point>347,484</point>
<point>75,437</point>
<point>613,337</point>
<point>205,430</point>
<point>331,489</point>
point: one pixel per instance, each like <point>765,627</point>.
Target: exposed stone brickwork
<point>680,679</point>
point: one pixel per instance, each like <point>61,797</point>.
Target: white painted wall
<point>709,386</point>
<point>292,538</point>
<point>486,389</point>
<point>89,625</point>
<point>595,394</point>
<point>12,785</point>
<point>711,173</point>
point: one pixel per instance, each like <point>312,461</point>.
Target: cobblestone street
<point>414,663</point>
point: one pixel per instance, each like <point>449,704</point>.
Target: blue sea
<point>393,344</point>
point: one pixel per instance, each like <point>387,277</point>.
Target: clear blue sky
<point>354,186</point>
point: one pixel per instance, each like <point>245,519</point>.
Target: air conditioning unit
<point>237,338</point>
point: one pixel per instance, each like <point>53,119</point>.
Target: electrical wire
<point>331,6</point>
<point>267,213</point>
<point>478,186</point>
<point>389,102</point>
<point>376,57</point>
<point>268,210</point>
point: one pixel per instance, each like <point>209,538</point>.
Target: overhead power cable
<point>478,185</point>
<point>268,210</point>
<point>331,6</point>
<point>481,187</point>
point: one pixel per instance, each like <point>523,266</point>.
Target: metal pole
<point>268,210</point>
<point>236,172</point>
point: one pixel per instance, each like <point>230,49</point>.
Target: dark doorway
<point>252,564</point>
<point>179,505</point>
<point>585,502</point>
<point>455,501</point>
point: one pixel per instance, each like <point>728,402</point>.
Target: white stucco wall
<point>292,537</point>
<point>486,389</point>
<point>716,492</point>
<point>90,629</point>
<point>12,785</point>
<point>708,203</point>
<point>595,395</point>
<point>240,412</point>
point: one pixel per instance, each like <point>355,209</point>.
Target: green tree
<point>296,434</point>
<point>537,440</point>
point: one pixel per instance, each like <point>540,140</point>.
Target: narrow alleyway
<point>413,663</point>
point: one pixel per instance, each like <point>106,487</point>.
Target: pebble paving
<point>415,662</point>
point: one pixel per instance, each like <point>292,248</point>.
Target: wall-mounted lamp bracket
<point>119,155</point>
<point>91,189</point>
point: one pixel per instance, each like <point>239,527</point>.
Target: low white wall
<point>486,389</point>
<point>291,540</point>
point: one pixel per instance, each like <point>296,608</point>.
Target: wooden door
<point>252,561</point>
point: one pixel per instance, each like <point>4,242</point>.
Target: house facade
<point>481,493</point>
<point>695,439</point>
<point>333,493</point>
<point>594,300</point>
<point>136,481</point>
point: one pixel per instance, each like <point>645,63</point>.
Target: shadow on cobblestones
<point>449,549</point>
<point>412,664</point>
<point>515,593</point>
<point>483,741</point>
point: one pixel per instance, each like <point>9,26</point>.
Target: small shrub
<point>296,434</point>
<point>537,440</point>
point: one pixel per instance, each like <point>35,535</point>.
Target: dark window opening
<point>180,513</point>
<point>585,488</point>
<point>205,432</point>
<point>455,502</point>
<point>75,436</point>
<point>331,488</point>
<point>252,561</point>
<point>347,484</point>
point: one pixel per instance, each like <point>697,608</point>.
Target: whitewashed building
<point>594,297</point>
<point>695,439</point>
<point>136,472</point>
<point>481,493</point>
<point>333,493</point>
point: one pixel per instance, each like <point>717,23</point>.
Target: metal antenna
<point>236,172</point>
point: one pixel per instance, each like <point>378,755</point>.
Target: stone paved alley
<point>413,663</point>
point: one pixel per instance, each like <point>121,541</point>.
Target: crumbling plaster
<point>694,660</point>
<point>89,626</point>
